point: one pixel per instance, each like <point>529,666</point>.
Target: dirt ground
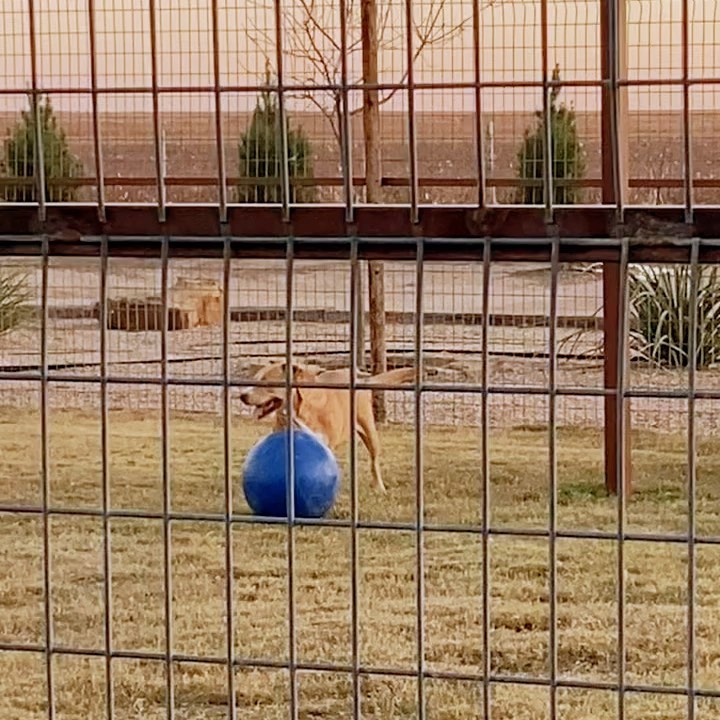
<point>520,609</point>
<point>445,150</point>
<point>452,349</point>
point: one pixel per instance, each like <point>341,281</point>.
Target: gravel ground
<point>452,352</point>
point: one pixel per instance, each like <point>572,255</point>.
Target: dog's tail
<point>392,377</point>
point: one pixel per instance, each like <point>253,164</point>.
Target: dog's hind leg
<point>371,441</point>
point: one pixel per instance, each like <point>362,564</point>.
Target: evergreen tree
<point>260,155</point>
<point>568,156</point>
<point>20,156</point>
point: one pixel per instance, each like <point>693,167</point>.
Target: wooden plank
<point>393,317</point>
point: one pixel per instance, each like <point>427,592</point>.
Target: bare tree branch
<point>428,36</point>
<point>383,24</point>
<point>310,40</point>
<point>313,21</point>
<point>331,115</point>
<point>316,56</point>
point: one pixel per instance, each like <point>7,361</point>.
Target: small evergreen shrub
<point>20,157</point>
<point>568,156</point>
<point>260,156</point>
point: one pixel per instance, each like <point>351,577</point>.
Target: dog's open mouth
<point>268,407</point>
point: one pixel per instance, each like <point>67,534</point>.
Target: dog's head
<point>267,400</point>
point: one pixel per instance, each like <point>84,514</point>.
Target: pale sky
<point>510,40</point>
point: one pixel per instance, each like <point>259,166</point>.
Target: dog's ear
<point>299,373</point>
<point>252,369</point>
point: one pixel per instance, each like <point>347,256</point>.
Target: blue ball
<point>265,478</point>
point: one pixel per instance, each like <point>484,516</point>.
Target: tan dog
<point>325,411</point>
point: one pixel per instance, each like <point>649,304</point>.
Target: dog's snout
<point>245,397</point>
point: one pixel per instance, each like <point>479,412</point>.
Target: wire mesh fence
<point>193,190</point>
<point>137,583</point>
<point>518,338</point>
<point>181,99</point>
<point>517,335</point>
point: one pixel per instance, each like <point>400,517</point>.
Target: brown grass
<point>587,615</point>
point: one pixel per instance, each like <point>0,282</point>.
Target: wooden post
<point>612,322</point>
<point>612,280</point>
<point>373,190</point>
<point>360,320</point>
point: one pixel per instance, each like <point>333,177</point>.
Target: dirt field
<point>587,616</point>
<point>445,150</point>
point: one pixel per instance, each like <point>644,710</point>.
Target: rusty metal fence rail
<point>458,87</point>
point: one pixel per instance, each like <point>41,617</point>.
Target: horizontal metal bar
<point>566,682</point>
<point>299,88</point>
<point>357,181</point>
<point>341,523</point>
<point>203,382</point>
<point>657,233</point>
<point>208,242</point>
<point>270,313</point>
<point>429,387</point>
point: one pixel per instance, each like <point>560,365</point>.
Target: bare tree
<point>312,44</point>
<point>316,54</point>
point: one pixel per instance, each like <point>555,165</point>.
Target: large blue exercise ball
<point>265,475</point>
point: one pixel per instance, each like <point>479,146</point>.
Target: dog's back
<point>397,376</point>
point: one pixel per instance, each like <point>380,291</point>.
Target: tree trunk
<point>360,320</point>
<point>373,190</point>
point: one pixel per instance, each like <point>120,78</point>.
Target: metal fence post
<point>614,178</point>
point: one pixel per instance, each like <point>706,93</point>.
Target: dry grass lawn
<point>587,615</point>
